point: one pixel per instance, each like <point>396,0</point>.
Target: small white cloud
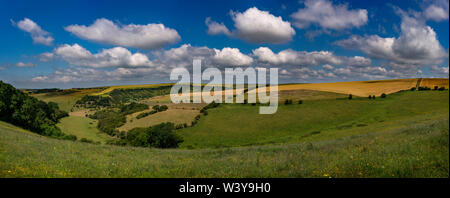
<point>215,28</point>
<point>150,36</point>
<point>22,64</point>
<point>231,57</point>
<point>255,26</point>
<point>438,10</point>
<point>46,56</point>
<point>358,61</point>
<point>328,67</point>
<point>38,35</point>
<point>328,16</point>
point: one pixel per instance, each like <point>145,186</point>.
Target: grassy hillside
<point>403,135</point>
<point>66,99</point>
<point>242,125</point>
<point>82,127</point>
<point>418,147</point>
<point>176,116</point>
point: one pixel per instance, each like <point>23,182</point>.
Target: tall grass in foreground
<point>409,149</point>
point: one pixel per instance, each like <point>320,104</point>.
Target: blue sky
<point>142,41</point>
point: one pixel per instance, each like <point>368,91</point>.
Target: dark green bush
<point>158,136</point>
<point>133,108</point>
<point>109,120</point>
<point>383,95</point>
<point>288,102</point>
<point>145,114</point>
<point>424,88</point>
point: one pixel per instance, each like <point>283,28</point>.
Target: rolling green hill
<point>404,135</point>
<point>242,125</point>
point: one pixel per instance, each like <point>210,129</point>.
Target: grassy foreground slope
<point>242,125</point>
<point>417,147</point>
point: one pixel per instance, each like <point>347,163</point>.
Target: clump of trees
<point>158,136</point>
<point>133,108</point>
<point>88,101</point>
<point>383,95</point>
<point>129,95</point>
<point>25,111</point>
<point>159,108</point>
<point>145,114</point>
<point>350,96</point>
<point>109,120</point>
<point>424,89</point>
<point>436,88</point>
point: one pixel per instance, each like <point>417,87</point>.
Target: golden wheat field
<point>357,88</point>
<point>68,98</point>
<point>431,82</point>
<point>111,88</point>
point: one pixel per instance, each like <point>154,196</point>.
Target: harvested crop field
<point>431,82</point>
<point>357,88</point>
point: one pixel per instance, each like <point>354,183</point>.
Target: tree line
<point>20,109</point>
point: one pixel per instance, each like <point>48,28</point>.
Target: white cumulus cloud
<point>150,36</point>
<point>38,35</point>
<point>328,16</point>
<point>291,57</point>
<point>416,45</point>
<point>231,57</point>
<point>255,26</point>
<point>215,28</point>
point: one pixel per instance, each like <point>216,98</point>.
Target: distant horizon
<point>287,83</point>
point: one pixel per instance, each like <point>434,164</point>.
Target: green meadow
<point>403,135</point>
<point>232,125</point>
